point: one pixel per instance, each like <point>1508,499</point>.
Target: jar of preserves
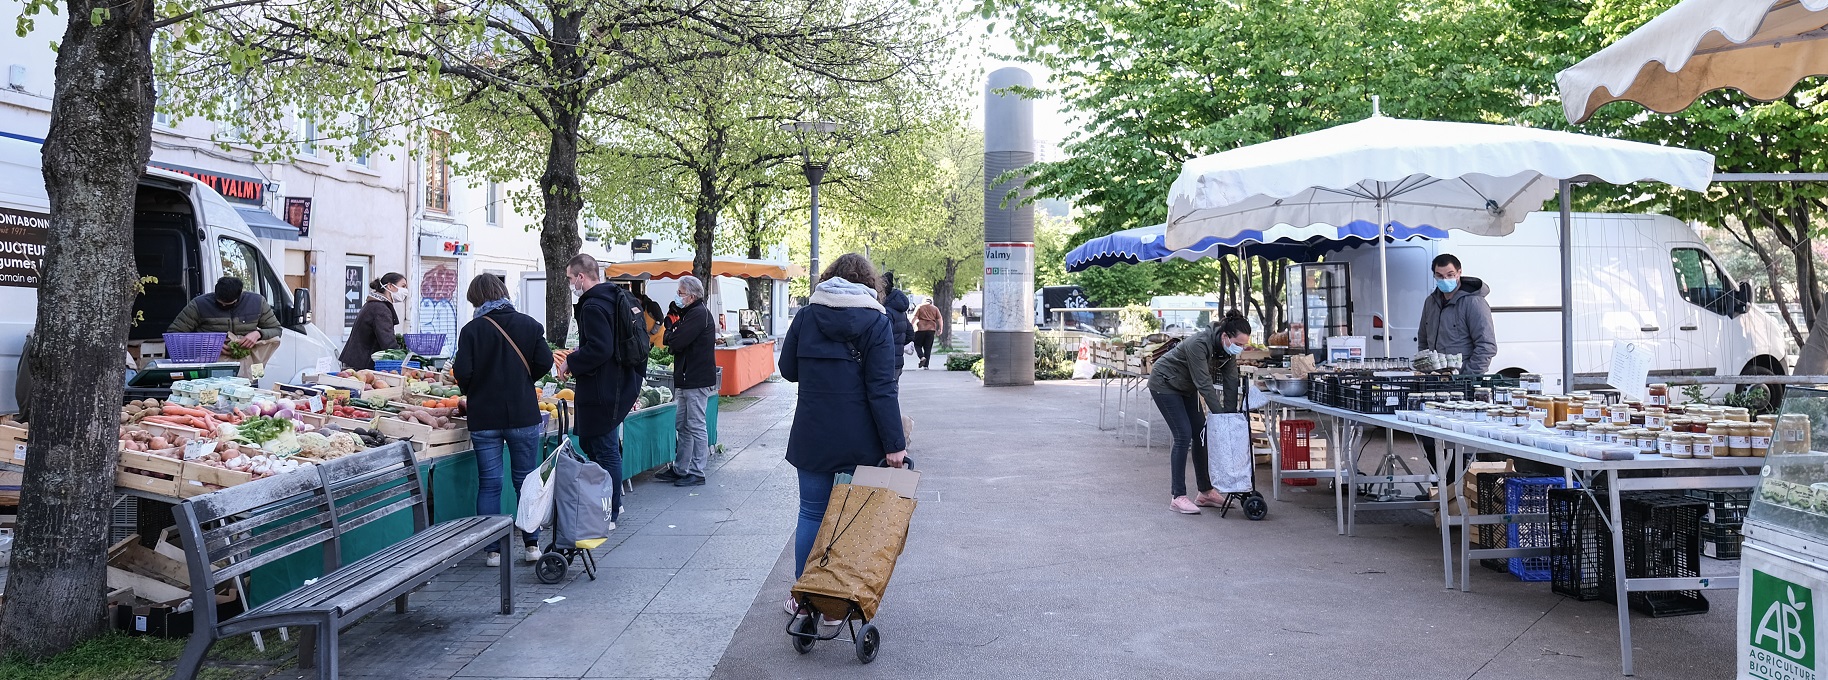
<point>1718,437</point>
<point>1580,429</point>
<point>1761,439</point>
<point>1666,443</point>
<point>1611,434</point>
<point>1619,414</point>
<point>1593,410</point>
<point>1482,394</point>
<point>1739,415</point>
<point>1675,409</point>
<point>1518,397</point>
<point>1739,440</point>
<point>1658,393</point>
<point>1532,382</point>
<point>1654,416</point>
<point>1565,429</point>
<point>1791,433</point>
<point>1647,441</point>
<point>1769,419</point>
<point>1637,418</point>
<point>1682,446</point>
<point>1702,445</point>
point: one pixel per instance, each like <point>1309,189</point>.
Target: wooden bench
<point>229,533</point>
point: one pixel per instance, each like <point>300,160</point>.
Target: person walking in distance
<point>609,363</point>
<point>895,304</point>
<point>499,354</point>
<point>692,338</point>
<point>1200,367</point>
<point>840,349</point>
<point>927,323</point>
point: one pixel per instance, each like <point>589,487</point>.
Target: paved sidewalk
<point>1044,549</point>
<point>673,582</point>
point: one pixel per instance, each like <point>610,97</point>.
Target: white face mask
<point>400,295</point>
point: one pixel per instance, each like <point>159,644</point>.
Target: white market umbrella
<point>1760,47</point>
<point>1474,177</point>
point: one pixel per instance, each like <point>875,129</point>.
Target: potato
<point>154,411</point>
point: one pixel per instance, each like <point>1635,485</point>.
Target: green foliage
<point>1053,361</point>
<point>921,214</point>
<point>963,362</point>
<point>1756,398</point>
<point>1136,321</point>
<point>116,656</point>
<point>1693,394</point>
<point>977,369</point>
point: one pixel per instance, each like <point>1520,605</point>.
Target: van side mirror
<point>301,306</point>
<point>1743,301</point>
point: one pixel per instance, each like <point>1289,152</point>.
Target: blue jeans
<point>815,494</point>
<point>523,452</point>
<point>606,451</point>
<point>1187,423</point>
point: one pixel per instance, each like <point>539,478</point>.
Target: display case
<point>1792,495</point>
<point>1783,568</point>
<point>1319,305</point>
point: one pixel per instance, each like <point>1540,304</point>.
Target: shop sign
<point>298,214</point>
<point>439,246</point>
<point>22,238</point>
<point>641,246</point>
<point>235,188</point>
<point>1780,634</point>
<point>1009,278</point>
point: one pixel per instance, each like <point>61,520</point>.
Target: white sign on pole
<point>1630,371</point>
<point>1009,295</point>
<point>1781,627</point>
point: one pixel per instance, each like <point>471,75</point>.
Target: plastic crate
<point>1579,566</point>
<point>1294,436</point>
<point>1323,389</point>
<point>1662,540</point>
<point>194,348</point>
<point>1488,499</point>
<point>1522,496</point>
<point>393,365</point>
<point>1721,540</point>
<point>425,344</point>
<point>1725,506</point>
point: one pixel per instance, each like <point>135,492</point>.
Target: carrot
<point>185,411</point>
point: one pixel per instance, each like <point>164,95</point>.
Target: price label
<point>18,452</point>
<point>198,449</point>
<point>315,404</point>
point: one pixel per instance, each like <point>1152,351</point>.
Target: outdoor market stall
<point>1604,473</point>
<point>745,355</point>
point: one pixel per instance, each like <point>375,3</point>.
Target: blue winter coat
<point>849,410</point>
<point>896,302</point>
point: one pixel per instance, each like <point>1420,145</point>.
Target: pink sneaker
<point>1181,505</point>
<point>1210,499</point>
<point>793,606</point>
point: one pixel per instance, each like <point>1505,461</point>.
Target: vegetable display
<point>435,418</point>
<point>262,429</point>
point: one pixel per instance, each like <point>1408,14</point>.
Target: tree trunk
<point>943,291</point>
<point>97,148</point>
<point>704,228</point>
<point>561,190</point>
<point>753,235</point>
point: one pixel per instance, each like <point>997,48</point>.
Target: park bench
<point>231,532</point>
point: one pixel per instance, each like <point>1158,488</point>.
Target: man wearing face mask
<point>692,338</point>
<point>609,362</point>
<point>1456,318</point>
<point>1203,366</point>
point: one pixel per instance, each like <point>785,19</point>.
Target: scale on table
<point>161,373</point>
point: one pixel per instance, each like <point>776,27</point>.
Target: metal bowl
<point>1292,387</point>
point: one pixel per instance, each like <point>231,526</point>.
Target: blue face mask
<point>1447,285</point>
<point>1234,350</point>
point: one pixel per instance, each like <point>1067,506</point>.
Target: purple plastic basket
<point>194,348</point>
<point>425,344</point>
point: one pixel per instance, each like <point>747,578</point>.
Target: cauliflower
<point>343,444</point>
<point>314,445</point>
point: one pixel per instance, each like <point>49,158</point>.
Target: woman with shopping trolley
<point>1204,366</point>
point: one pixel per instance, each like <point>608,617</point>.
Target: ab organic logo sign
<point>1783,629</point>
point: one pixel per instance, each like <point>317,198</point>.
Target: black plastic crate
<point>1579,566</point>
<point>1722,540</point>
<point>1488,499</point>
<point>1525,496</point>
<point>1724,506</point>
<point>1662,540</point>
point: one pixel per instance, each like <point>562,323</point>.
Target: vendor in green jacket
<point>245,317</point>
<point>1203,366</point>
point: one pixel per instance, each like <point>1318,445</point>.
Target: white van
<point>1636,277</point>
<point>185,235</point>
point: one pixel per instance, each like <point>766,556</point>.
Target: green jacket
<point>204,315</point>
<point>1191,368</point>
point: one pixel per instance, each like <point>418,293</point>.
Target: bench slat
<point>352,584</point>
<point>255,561</point>
<point>351,523</point>
<point>350,572</point>
<point>336,471</point>
<point>251,496</point>
<point>344,490</point>
<point>248,541</point>
<point>311,503</point>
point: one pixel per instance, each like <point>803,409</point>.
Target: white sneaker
<point>612,526</point>
<point>494,560</point>
<point>533,553</point>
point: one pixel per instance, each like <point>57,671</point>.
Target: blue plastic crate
<point>1526,496</point>
<point>393,365</point>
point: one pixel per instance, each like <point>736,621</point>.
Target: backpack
<point>632,341</point>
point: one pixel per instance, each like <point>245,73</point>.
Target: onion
<point>268,408</point>
<point>284,412</point>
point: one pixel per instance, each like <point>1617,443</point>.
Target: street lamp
<point>815,172</point>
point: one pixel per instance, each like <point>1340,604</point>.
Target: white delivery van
<point>1644,278</point>
<point>1184,314</point>
<point>185,235</point>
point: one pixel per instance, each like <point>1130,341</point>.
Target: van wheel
<point>1776,391</point>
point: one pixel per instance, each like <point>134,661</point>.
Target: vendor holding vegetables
<point>245,317</point>
<point>499,355</point>
<point>374,325</point>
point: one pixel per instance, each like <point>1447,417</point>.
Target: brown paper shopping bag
<point>864,530</point>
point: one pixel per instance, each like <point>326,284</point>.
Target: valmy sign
<point>1780,636</point>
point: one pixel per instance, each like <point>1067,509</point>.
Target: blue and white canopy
<point>1301,244</point>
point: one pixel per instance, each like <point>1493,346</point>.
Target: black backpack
<point>632,342</point>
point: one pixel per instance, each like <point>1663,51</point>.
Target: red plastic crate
<point>1295,450</point>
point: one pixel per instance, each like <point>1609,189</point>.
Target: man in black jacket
<point>895,304</point>
<point>691,335</point>
<point>606,389</point>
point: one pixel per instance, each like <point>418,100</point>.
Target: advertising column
<point>1009,233</point>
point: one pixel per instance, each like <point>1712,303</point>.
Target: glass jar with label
<point>1739,440</point>
<point>1654,416</point>
<point>1718,433</point>
<point>1520,398</point>
<point>1482,394</point>
<point>1619,414</point>
<point>1658,393</point>
<point>1682,446</point>
<point>1532,382</point>
<point>1647,441</point>
<point>1580,430</point>
<point>1761,439</point>
<point>1666,443</point>
<point>1593,410</point>
<point>1739,415</point>
<point>1791,433</point>
<point>1702,445</point>
<point>1565,429</point>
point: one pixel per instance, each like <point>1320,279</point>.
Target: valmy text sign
<point>1781,631</point>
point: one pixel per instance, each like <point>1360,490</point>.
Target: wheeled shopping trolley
<point>859,541</point>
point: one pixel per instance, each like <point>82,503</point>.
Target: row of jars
<point>1717,440</point>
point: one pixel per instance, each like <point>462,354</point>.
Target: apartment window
<point>438,172</point>
<point>361,139</point>
<point>307,136</point>
<point>488,195</point>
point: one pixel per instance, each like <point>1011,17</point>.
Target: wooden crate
<point>202,479</point>
<point>144,472</point>
<point>12,442</point>
<point>430,451</point>
<point>336,381</point>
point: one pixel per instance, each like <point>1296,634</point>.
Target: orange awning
<point>673,269</point>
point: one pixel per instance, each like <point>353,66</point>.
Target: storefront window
<point>361,137</point>
<point>438,172</point>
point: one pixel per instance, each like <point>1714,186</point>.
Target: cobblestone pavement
<point>673,581</point>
